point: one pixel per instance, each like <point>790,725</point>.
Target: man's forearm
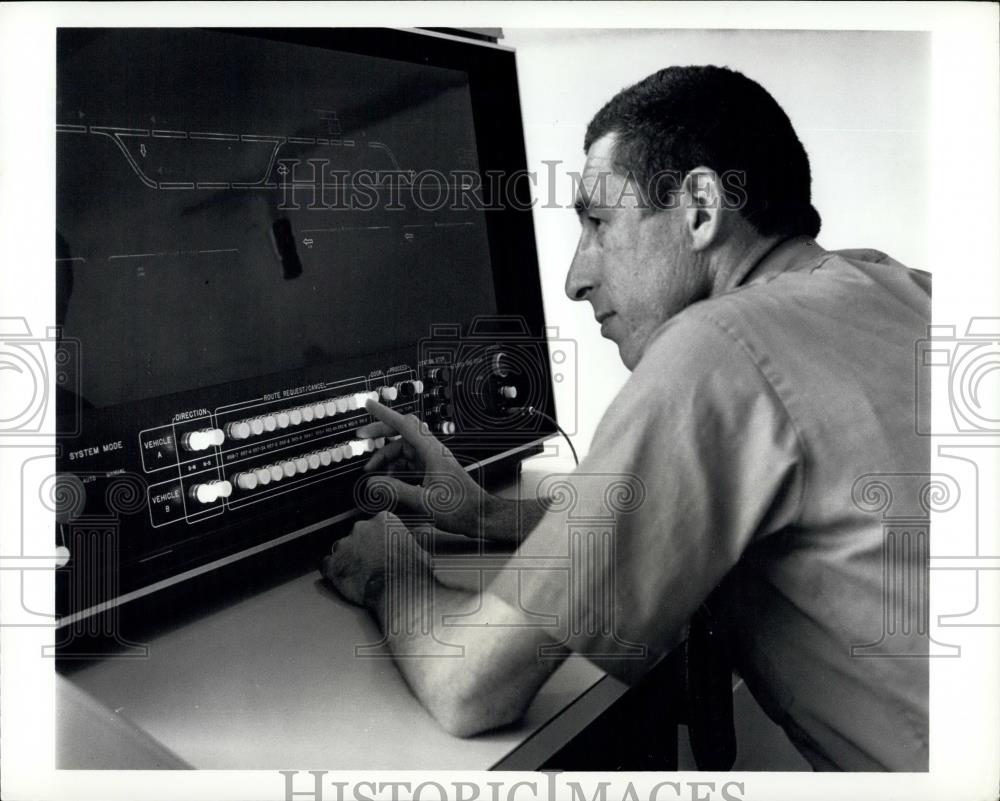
<point>471,678</point>
<point>508,520</point>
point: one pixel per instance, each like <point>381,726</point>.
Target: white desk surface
<point>273,681</point>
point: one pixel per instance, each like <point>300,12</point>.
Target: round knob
<point>263,476</point>
<point>313,459</point>
<point>508,392</point>
<point>307,414</point>
<point>246,481</point>
<point>389,393</point>
<point>288,468</point>
<point>277,472</point>
<point>257,426</point>
<point>319,411</point>
<point>442,392</point>
<point>270,422</point>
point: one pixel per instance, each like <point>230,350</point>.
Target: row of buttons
<point>255,426</point>
<point>212,491</point>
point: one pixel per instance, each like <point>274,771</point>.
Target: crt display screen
<point>229,207</point>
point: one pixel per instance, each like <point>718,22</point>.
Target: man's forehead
<point>599,182</point>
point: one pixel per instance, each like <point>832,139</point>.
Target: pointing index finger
<point>408,426</point>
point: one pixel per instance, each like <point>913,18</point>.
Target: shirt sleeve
<point>695,458</point>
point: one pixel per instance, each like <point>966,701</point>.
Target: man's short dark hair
<point>684,117</point>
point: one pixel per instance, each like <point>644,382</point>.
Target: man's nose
<point>582,276</point>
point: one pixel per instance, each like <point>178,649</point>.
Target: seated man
<point>769,377</point>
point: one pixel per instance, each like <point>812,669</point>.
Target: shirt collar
<point>782,256</point>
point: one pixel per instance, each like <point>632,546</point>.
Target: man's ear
<point>702,203</point>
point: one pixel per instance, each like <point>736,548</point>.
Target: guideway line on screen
<point>116,134</point>
<point>173,253</point>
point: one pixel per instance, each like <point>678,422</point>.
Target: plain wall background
<point>858,100</point>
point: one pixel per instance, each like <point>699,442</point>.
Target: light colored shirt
<point>735,446</point>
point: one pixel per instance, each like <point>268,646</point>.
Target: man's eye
<point>596,221</point>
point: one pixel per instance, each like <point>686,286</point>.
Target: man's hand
<point>357,562</point>
<point>446,493</point>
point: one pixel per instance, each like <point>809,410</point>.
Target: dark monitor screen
<point>230,206</point>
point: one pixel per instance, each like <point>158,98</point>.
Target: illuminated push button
<point>203,439</point>
<point>277,472</point>
<point>314,461</point>
<point>330,407</point>
<point>246,481</point>
<point>337,454</point>
<point>341,403</point>
<point>447,427</point>
<point>359,400</point>
<point>319,411</point>
<point>211,491</point>
<point>263,476</point>
<point>283,419</point>
<point>257,426</point>
<point>307,414</point>
<point>324,457</point>
<point>418,387</point>
<point>270,422</point>
<point>379,443</point>
<point>288,468</point>
<point>372,395</point>
<point>356,447</point>
<point>295,416</point>
<point>239,430</point>
<point>301,465</point>
<point>508,392</point>
<point>389,393</point>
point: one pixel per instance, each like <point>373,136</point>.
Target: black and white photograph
<point>490,402</point>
